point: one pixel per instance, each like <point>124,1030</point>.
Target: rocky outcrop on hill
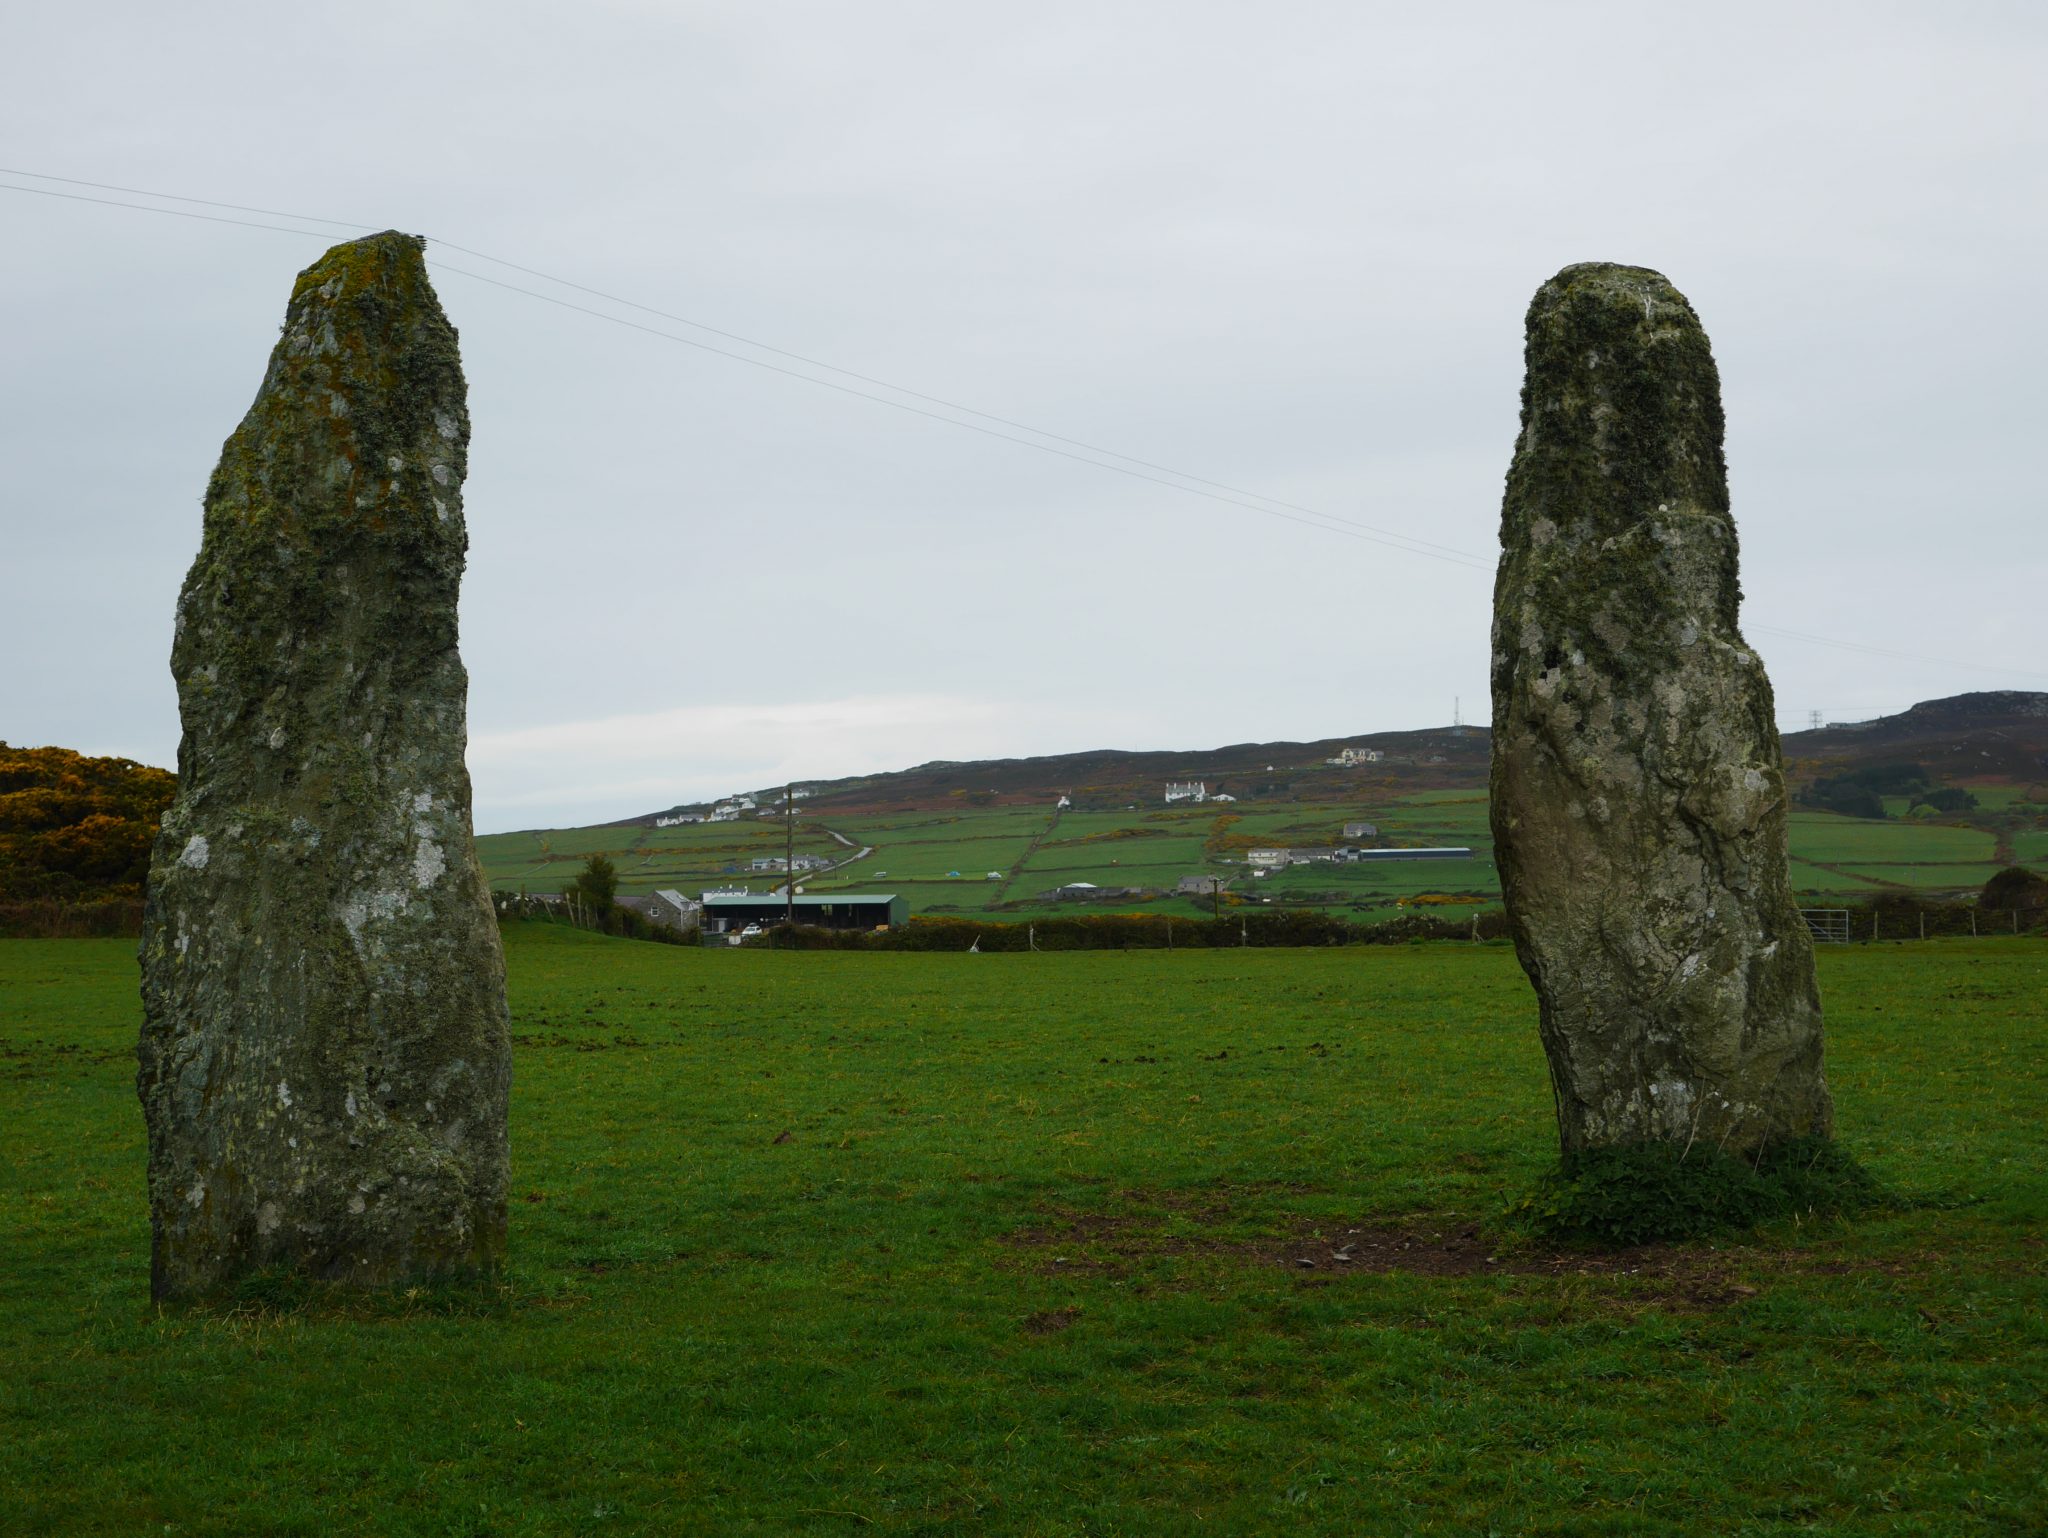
<point>1638,801</point>
<point>325,1056</point>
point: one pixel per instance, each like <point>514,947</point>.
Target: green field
<point>942,860</point>
<point>826,1243</point>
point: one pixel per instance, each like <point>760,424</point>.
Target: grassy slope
<point>915,851</point>
<point>869,1327</point>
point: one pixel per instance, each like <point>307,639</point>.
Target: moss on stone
<point>325,1056</point>
<point>1638,798</point>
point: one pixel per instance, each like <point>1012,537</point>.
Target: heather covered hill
<point>1999,736</point>
<point>1995,737</point>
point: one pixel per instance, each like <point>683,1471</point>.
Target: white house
<point>1189,790</point>
<point>1351,758</point>
<point>1271,859</point>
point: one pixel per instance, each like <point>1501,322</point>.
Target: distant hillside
<point>1999,736</point>
<point>1439,758</point>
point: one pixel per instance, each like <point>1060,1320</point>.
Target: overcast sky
<point>1282,247</point>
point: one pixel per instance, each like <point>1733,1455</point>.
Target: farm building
<point>1088,891</point>
<point>1202,886</point>
<point>669,909</point>
<point>776,862</point>
<point>835,910</point>
<point>1361,830</point>
<point>1375,855</point>
<point>1271,859</point>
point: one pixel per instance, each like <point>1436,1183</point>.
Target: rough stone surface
<point>1638,795</point>
<point>325,1052</point>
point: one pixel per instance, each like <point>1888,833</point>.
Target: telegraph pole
<point>789,854</point>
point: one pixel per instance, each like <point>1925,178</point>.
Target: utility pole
<point>789,854</point>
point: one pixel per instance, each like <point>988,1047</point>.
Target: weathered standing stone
<point>1638,795</point>
<point>325,1051</point>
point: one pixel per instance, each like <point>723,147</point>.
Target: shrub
<point>2015,887</point>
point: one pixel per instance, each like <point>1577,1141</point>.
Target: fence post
<point>1873,925</point>
<point>1923,923</point>
<point>1973,921</point>
<point>2015,921</point>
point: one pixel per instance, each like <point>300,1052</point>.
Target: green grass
<point>1024,1264</point>
<point>1937,878</point>
<point>914,850</point>
<point>1835,840</point>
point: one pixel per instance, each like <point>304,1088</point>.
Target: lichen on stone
<point>318,939</point>
<point>1638,798</point>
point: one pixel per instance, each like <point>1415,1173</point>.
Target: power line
<point>179,213</point>
<point>1883,651</point>
<point>1454,558</point>
<point>1396,539</point>
<point>1185,481</point>
<point>172,197</point>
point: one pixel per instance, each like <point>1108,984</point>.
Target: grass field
<point>917,853</point>
<point>825,1243</point>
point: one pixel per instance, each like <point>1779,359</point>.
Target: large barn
<point>726,913</point>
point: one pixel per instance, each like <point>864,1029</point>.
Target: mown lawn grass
<point>1025,1262</point>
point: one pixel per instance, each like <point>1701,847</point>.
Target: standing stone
<point>1638,795</point>
<point>325,1049</point>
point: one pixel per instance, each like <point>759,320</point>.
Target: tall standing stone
<point>1638,796</point>
<point>325,1051</point>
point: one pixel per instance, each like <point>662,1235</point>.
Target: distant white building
<point>1271,859</point>
<point>1063,803</point>
<point>1219,796</point>
<point>1351,758</point>
<point>1361,830</point>
<point>1189,790</point>
<point>678,819</point>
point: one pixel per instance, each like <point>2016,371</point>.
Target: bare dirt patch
<point>1144,1228</point>
<point>1051,1321</point>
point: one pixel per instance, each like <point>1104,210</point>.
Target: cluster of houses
<point>1265,861</point>
<point>731,809</point>
<point>778,863</point>
<point>1351,758</point>
<point>1187,790</point>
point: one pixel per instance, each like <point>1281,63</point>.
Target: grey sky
<point>1283,247</point>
